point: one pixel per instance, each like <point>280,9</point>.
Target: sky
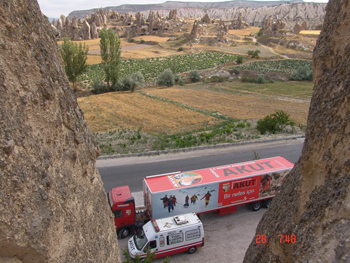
<point>54,8</point>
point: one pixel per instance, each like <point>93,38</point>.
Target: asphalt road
<point>131,170</point>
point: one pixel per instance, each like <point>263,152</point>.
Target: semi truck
<point>220,189</point>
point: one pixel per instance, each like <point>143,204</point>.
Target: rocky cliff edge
<point>53,206</point>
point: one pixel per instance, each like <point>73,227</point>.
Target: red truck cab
<point>122,204</point>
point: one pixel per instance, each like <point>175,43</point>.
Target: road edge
<point>222,145</point>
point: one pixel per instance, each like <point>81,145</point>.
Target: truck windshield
<point>140,239</point>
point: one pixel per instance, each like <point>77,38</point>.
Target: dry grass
<point>114,111</point>
<point>310,32</point>
<point>235,105</point>
<point>152,38</point>
<point>148,52</point>
<point>244,32</point>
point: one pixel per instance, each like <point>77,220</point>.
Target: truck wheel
<point>123,232</point>
<point>256,206</point>
<point>267,203</point>
<point>191,250</point>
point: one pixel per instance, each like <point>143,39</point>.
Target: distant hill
<point>253,12</point>
<point>169,5</point>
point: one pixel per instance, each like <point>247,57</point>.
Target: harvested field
<point>115,111</point>
<point>235,104</point>
<point>310,32</point>
<point>152,38</point>
<point>244,32</point>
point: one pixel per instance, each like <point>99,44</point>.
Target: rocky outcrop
<point>238,23</point>
<point>223,31</point>
<point>82,29</point>
<point>196,30</point>
<point>273,28</point>
<point>173,14</point>
<point>253,12</point>
<point>140,19</point>
<point>297,28</point>
<point>53,207</point>
<point>206,19</point>
<point>313,204</point>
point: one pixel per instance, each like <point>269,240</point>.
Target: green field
<point>151,68</point>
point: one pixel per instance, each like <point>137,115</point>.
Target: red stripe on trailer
<point>218,174</point>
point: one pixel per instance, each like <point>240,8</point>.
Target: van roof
<point>217,174</point>
<point>178,221</point>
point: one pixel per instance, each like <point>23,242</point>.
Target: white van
<point>168,236</point>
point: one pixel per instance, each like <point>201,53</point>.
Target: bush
<point>195,76</point>
<point>235,71</point>
<point>167,78</point>
<point>99,87</point>
<point>302,73</point>
<point>274,122</point>
<point>254,53</point>
<point>239,60</point>
<point>180,49</point>
<point>176,77</point>
<point>182,82</point>
<point>131,82</point>
<point>261,80</point>
<point>139,79</point>
<point>248,79</point>
<point>128,84</point>
<point>217,79</point>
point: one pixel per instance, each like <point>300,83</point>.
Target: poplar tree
<point>110,54</point>
<point>74,58</point>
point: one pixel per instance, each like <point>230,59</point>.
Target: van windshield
<point>140,239</point>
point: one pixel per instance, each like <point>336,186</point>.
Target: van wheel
<point>256,206</point>
<point>123,232</point>
<point>191,250</point>
<point>267,203</point>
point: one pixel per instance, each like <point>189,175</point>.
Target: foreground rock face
<point>53,207</point>
<point>314,203</point>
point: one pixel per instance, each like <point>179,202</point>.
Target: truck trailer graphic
<point>216,187</point>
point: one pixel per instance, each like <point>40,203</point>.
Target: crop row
<point>151,68</point>
<point>287,66</point>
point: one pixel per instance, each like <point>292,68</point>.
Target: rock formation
<point>140,19</point>
<point>173,14</point>
<point>238,23</point>
<point>252,12</point>
<point>223,31</point>
<point>273,28</point>
<point>313,204</point>
<point>206,19</point>
<point>82,29</point>
<point>297,28</point>
<point>53,207</point>
<point>196,30</point>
